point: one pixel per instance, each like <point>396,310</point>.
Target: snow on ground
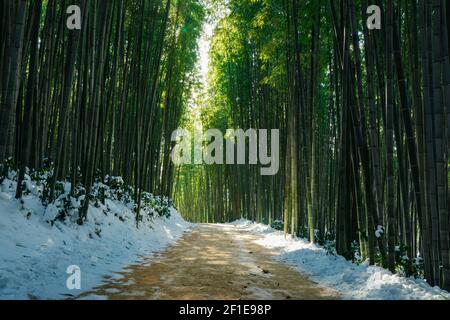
<point>351,280</point>
<point>34,256</point>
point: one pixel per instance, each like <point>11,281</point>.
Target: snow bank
<point>351,280</point>
<point>34,256</point>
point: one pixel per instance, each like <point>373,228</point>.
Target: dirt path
<point>212,262</point>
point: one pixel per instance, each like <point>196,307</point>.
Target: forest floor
<point>246,260</point>
<point>212,262</point>
<point>35,256</point>
<point>169,258</point>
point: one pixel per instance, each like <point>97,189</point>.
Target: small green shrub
<point>5,167</point>
<point>356,252</point>
<point>45,196</point>
<point>303,232</point>
<point>330,243</point>
<point>418,268</point>
<point>406,266</point>
<point>278,225</point>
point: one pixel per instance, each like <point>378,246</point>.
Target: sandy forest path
<point>212,262</point>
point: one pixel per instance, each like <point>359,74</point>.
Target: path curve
<point>213,262</point>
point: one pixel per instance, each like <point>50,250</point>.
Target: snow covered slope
<point>351,280</point>
<point>34,255</point>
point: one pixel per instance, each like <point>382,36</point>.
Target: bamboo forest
<point>339,111</point>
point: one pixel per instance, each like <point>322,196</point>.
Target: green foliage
<point>402,261</point>
<point>356,252</point>
<point>45,196</point>
<point>160,205</point>
<point>66,205</point>
<point>278,225</point>
<point>303,232</point>
<point>329,243</point>
<point>379,261</point>
<point>5,167</point>
<point>40,176</point>
<point>406,266</point>
<point>418,267</point>
<point>118,190</point>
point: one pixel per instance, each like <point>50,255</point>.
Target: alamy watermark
<point>229,148</point>
<point>74,20</point>
<point>373,19</point>
<point>73,282</point>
